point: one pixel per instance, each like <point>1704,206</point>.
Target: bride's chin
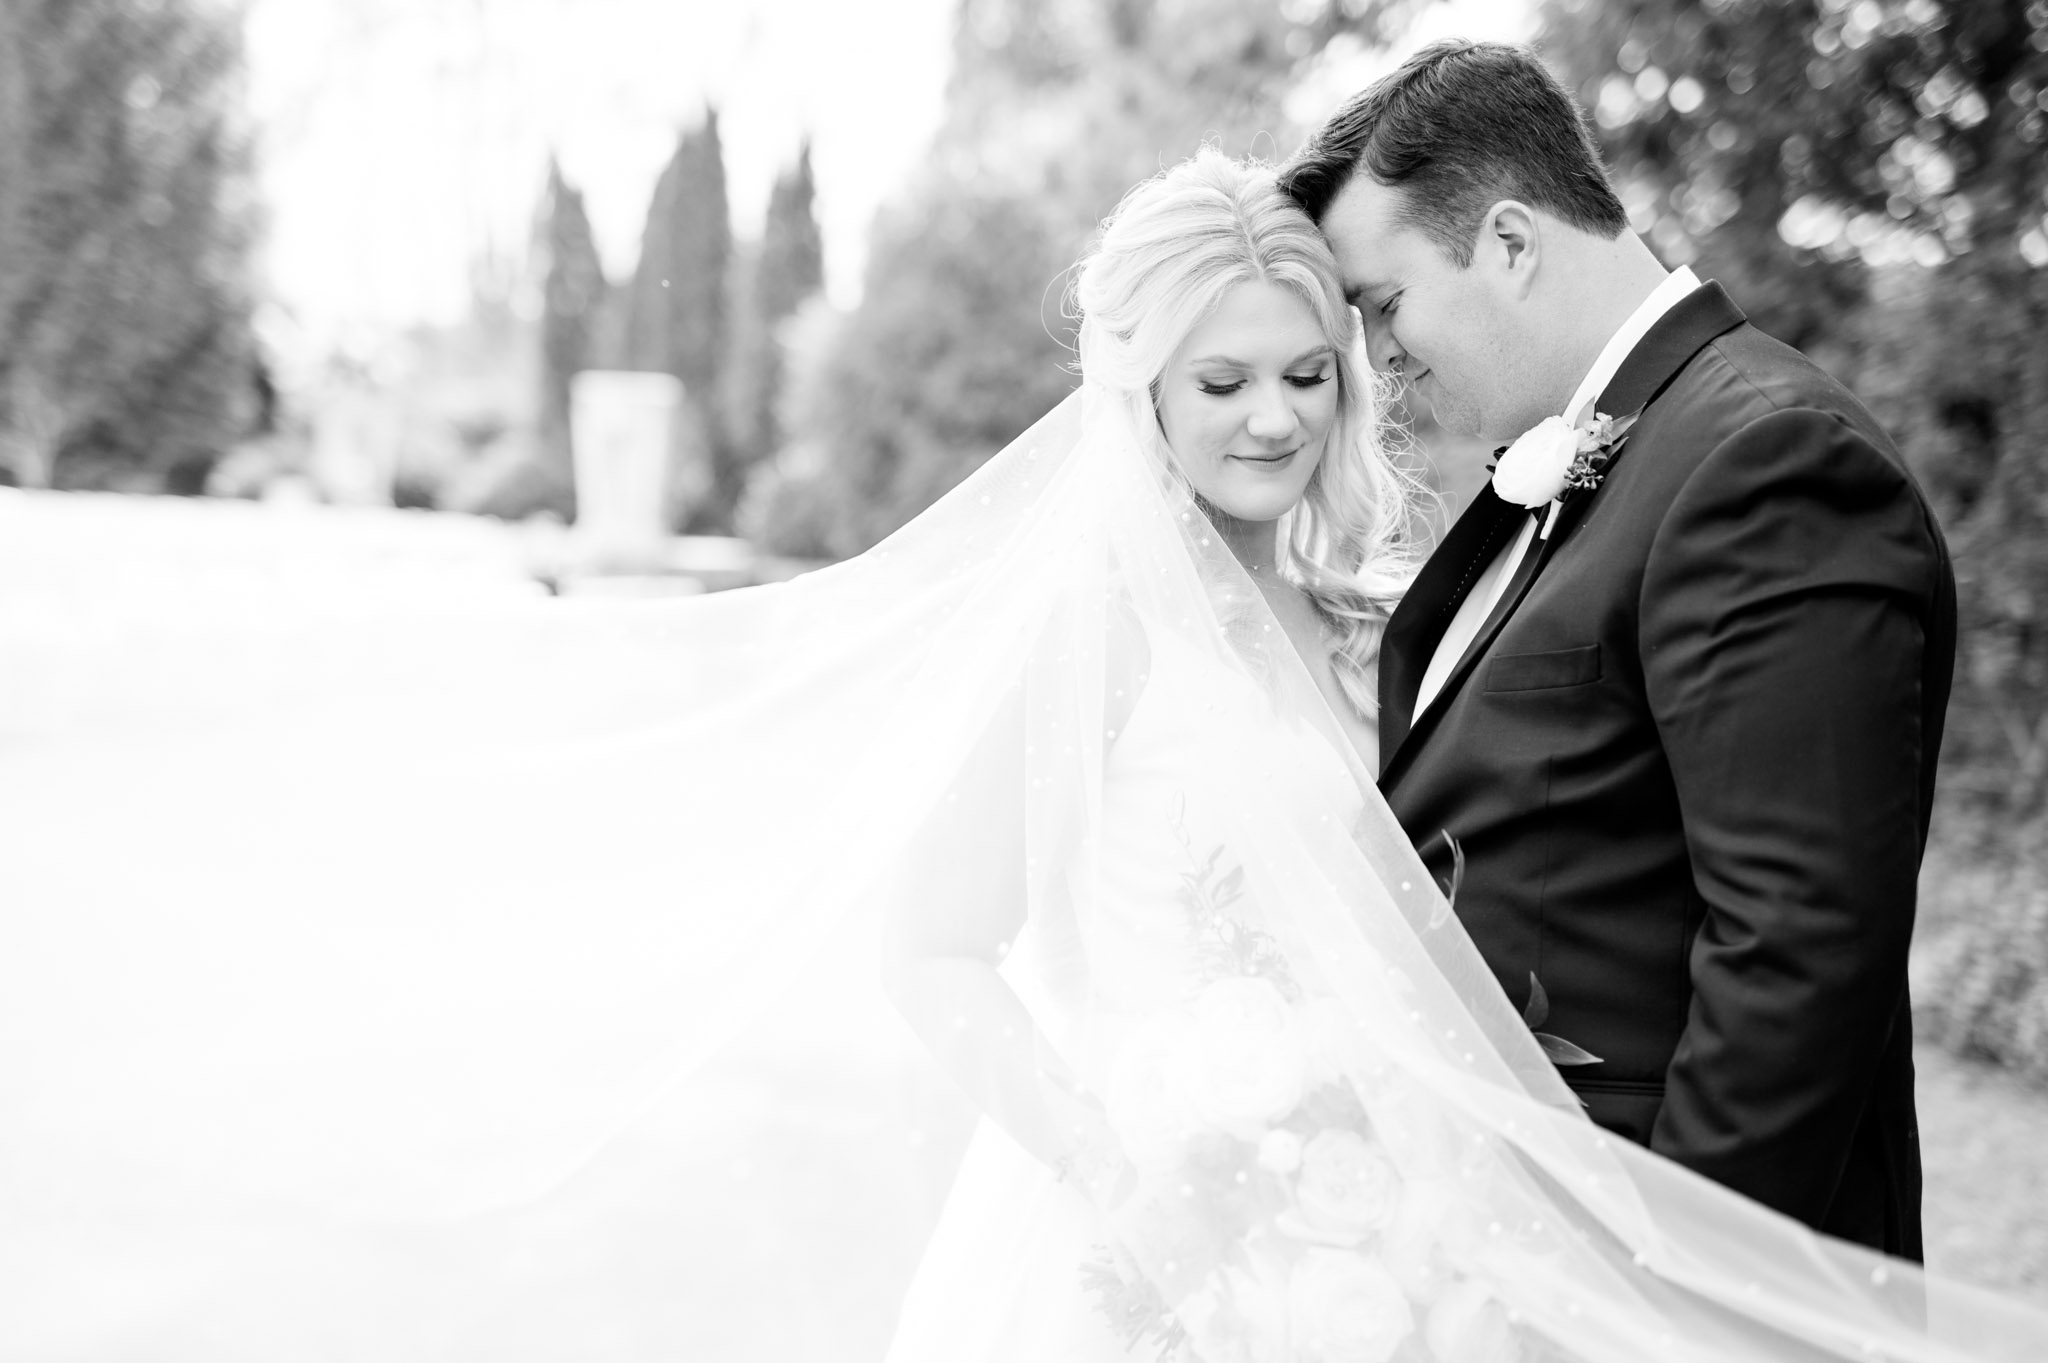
<point>1260,510</point>
<point>1254,500</point>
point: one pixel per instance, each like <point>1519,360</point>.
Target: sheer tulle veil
<point>405,941</point>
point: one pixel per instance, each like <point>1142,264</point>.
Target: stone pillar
<point>622,430</point>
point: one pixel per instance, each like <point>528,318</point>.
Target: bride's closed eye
<point>1222,390</point>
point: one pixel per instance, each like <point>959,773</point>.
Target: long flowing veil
<point>402,938</point>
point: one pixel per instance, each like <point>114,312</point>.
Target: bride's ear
<point>1510,246</point>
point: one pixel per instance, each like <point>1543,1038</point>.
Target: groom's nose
<point>1380,346</point>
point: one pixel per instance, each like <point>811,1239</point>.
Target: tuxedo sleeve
<point>1785,606</point>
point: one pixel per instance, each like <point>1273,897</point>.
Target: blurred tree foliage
<point>1870,178</point>
<point>1055,109</point>
<point>572,294</point>
<point>770,282</point>
<point>677,320</point>
<point>1980,970</point>
<point>126,354</point>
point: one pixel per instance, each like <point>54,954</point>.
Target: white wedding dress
<point>1001,1281</point>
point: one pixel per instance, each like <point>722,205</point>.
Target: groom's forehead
<point>1367,227</point>
<point>1366,210</point>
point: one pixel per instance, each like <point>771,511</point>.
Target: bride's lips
<point>1268,460</point>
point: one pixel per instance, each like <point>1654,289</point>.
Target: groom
<point>1681,717</point>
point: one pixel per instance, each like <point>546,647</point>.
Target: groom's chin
<point>1451,418</point>
<point>1467,421</point>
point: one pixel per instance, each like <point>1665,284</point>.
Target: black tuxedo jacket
<point>1689,759</point>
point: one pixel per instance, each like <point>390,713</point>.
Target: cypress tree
<point>572,294</point>
<point>787,271</point>
<point>678,315</point>
<point>792,250</point>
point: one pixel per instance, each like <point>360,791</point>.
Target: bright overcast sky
<point>398,136</point>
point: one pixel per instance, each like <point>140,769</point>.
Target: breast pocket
<point>1543,671</point>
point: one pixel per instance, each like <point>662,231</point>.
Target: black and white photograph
<point>1023,681</point>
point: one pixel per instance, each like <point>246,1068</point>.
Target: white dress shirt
<point>1486,592</point>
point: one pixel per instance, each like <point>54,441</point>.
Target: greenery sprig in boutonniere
<point>1597,444</point>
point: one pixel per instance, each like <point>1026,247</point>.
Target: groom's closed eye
<point>1374,299</point>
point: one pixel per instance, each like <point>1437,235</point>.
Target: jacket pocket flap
<point>1542,671</point>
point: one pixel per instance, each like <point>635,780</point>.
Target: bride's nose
<point>1272,417</point>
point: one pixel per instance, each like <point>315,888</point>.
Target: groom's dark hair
<point>1461,126</point>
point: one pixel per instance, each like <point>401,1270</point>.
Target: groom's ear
<point>1510,246</point>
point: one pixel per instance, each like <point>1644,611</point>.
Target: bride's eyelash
<point>1220,390</point>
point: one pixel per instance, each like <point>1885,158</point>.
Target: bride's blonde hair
<point>1167,256</point>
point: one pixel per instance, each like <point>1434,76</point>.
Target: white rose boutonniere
<point>1554,457</point>
<point>1533,470</point>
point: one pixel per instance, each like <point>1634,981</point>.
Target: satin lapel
<point>1698,318</point>
<point>1518,586</point>
<point>1426,611</point>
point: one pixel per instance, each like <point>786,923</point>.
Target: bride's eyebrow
<point>1313,353</point>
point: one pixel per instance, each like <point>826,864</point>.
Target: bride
<point>1221,358</point>
<point>1088,745</point>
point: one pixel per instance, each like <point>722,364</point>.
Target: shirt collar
<point>1666,296</point>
